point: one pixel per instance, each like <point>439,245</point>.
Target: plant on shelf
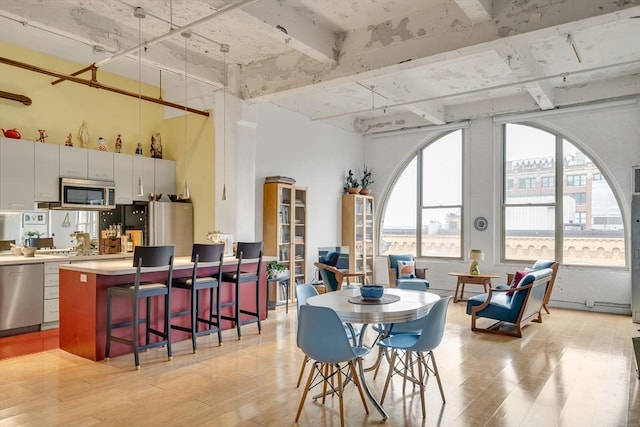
<point>351,184</point>
<point>366,180</point>
<point>34,234</point>
<point>275,269</point>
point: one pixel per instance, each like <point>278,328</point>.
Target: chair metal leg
<point>217,315</point>
<point>195,300</point>
<point>237,310</point>
<point>107,348</point>
<point>340,395</point>
<point>258,306</point>
<point>136,332</point>
<point>167,324</point>
<point>148,322</point>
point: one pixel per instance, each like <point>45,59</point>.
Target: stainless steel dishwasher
<point>21,295</point>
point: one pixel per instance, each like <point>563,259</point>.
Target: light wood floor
<point>575,369</point>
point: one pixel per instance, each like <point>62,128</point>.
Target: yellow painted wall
<point>60,110</point>
<point>200,167</point>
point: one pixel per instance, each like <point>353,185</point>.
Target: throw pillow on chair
<point>406,269</point>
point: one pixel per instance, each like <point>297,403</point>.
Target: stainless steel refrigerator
<point>171,223</point>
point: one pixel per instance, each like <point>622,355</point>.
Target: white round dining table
<point>411,305</point>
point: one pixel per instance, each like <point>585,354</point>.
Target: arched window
<point>423,212</point>
<point>575,219</point>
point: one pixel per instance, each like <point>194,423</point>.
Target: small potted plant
<point>275,269</point>
<point>351,184</point>
<point>366,180</point>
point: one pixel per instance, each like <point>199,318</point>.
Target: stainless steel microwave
<point>87,194</point>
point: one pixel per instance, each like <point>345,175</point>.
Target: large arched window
<point>423,213</point>
<point>557,203</point>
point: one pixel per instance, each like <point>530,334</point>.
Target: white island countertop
<point>8,259</point>
<point>121,267</point>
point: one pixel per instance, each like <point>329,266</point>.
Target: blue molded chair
<point>143,256</point>
<point>303,293</point>
<point>422,346</point>
<point>322,338</point>
<point>196,283</point>
<point>333,278</point>
<point>394,279</point>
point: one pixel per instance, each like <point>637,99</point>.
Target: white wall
<point>317,156</point>
<point>610,136</point>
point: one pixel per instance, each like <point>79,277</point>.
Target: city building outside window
<point>578,222</point>
<point>422,215</point>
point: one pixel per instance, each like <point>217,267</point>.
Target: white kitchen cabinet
<point>16,174</point>
<point>73,162</point>
<point>47,173</point>
<point>165,176</point>
<point>100,165</point>
<point>143,171</point>
<point>51,307</point>
<point>123,177</point>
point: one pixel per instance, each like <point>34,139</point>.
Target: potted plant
<point>366,180</point>
<point>275,269</point>
<point>32,238</point>
<point>351,184</point>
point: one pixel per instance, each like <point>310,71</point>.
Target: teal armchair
<point>333,278</point>
<point>539,265</point>
<point>512,308</point>
<point>417,276</point>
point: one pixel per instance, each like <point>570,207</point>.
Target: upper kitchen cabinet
<point>47,173</point>
<point>100,165</point>
<point>164,176</point>
<point>73,162</point>
<point>144,175</point>
<point>123,177</point>
<point>16,174</point>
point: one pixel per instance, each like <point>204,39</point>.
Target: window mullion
<point>559,234</point>
<point>420,204</point>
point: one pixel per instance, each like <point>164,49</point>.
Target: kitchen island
<point>83,301</point>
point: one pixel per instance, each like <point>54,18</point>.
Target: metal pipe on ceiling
<point>96,84</point>
<point>165,36</point>
<point>15,97</point>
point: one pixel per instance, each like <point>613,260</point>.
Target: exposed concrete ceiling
<point>368,65</point>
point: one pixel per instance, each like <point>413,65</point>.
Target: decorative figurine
<point>156,146</point>
<point>11,133</point>
<point>83,135</point>
<point>68,142</point>
<point>139,149</point>
<point>118,144</point>
<point>102,144</point>
<point>42,135</point>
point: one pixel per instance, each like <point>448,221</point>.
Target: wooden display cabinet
<point>285,229</point>
<point>358,233</point>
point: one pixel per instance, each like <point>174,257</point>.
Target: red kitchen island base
<point>83,303</point>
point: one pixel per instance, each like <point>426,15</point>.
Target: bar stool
<point>144,256</point>
<point>243,275</point>
<point>197,283</point>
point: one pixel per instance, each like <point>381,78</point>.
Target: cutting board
<point>135,236</point>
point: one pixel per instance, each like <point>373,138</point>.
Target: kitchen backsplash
<point>57,224</point>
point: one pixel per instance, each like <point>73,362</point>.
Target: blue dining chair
<point>322,338</point>
<point>305,291</point>
<point>422,346</point>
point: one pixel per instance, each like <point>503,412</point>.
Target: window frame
<point>420,207</point>
<point>560,178</point>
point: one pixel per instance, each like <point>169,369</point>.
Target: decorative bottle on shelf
<point>130,244</point>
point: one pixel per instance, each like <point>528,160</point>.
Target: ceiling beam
<point>476,10</point>
<point>429,37</point>
<point>286,24</point>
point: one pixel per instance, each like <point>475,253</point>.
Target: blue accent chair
<point>392,261</point>
<point>539,265</point>
<point>333,278</point>
<point>512,308</point>
<point>321,336</point>
<point>421,346</point>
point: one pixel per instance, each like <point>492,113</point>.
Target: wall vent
<point>636,179</point>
